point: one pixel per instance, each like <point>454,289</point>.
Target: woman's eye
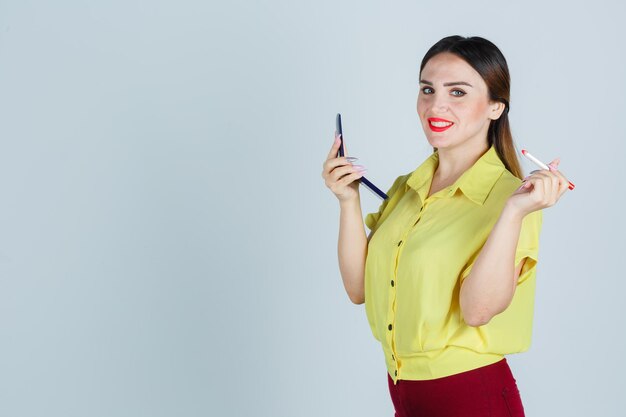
<point>424,90</point>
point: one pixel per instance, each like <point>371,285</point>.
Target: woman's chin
<point>438,142</point>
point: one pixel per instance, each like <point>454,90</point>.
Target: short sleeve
<point>527,247</point>
<point>528,244</point>
<point>372,219</point>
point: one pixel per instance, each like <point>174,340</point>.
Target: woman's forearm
<point>352,250</point>
<point>490,285</point>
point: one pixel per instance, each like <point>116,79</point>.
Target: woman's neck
<point>454,162</point>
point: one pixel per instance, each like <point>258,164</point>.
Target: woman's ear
<point>496,110</point>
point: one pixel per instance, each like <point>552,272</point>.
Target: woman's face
<point>467,107</point>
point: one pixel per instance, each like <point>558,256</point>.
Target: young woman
<point>447,273</point>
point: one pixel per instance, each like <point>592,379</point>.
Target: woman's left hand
<point>541,189</point>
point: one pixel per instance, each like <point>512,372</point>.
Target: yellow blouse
<point>421,250</point>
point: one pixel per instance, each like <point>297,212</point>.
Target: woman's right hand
<point>340,174</point>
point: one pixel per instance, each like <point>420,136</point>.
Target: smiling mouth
<point>439,126</point>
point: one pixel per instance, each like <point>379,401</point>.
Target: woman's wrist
<point>350,203</point>
<point>513,212</point>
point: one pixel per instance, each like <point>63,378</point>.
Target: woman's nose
<point>440,103</point>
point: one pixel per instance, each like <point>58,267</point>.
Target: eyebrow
<point>448,84</point>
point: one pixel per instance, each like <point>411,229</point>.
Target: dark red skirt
<point>488,391</point>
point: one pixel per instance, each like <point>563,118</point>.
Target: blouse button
<point>396,372</point>
<point>389,327</point>
<point>392,283</point>
<point>399,243</point>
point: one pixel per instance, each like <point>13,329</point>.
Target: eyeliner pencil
<point>364,181</point>
<point>542,165</point>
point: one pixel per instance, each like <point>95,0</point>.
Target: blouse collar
<point>475,183</point>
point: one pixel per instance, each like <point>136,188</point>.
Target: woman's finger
<point>338,173</point>
<point>527,180</point>
<point>564,182</point>
<point>333,163</point>
<point>537,179</point>
<point>546,186</point>
<point>556,183</point>
<point>334,150</point>
<point>348,179</point>
<point>531,184</point>
<point>549,185</point>
<point>552,183</point>
<point>555,162</point>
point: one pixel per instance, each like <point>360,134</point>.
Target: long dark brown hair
<point>488,61</point>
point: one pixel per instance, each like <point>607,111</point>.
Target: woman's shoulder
<point>399,184</point>
<point>508,181</point>
<point>504,186</point>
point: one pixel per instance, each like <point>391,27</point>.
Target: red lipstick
<point>436,128</point>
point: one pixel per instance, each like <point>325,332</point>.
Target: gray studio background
<point>168,246</point>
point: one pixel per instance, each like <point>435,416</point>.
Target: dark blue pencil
<point>364,181</point>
